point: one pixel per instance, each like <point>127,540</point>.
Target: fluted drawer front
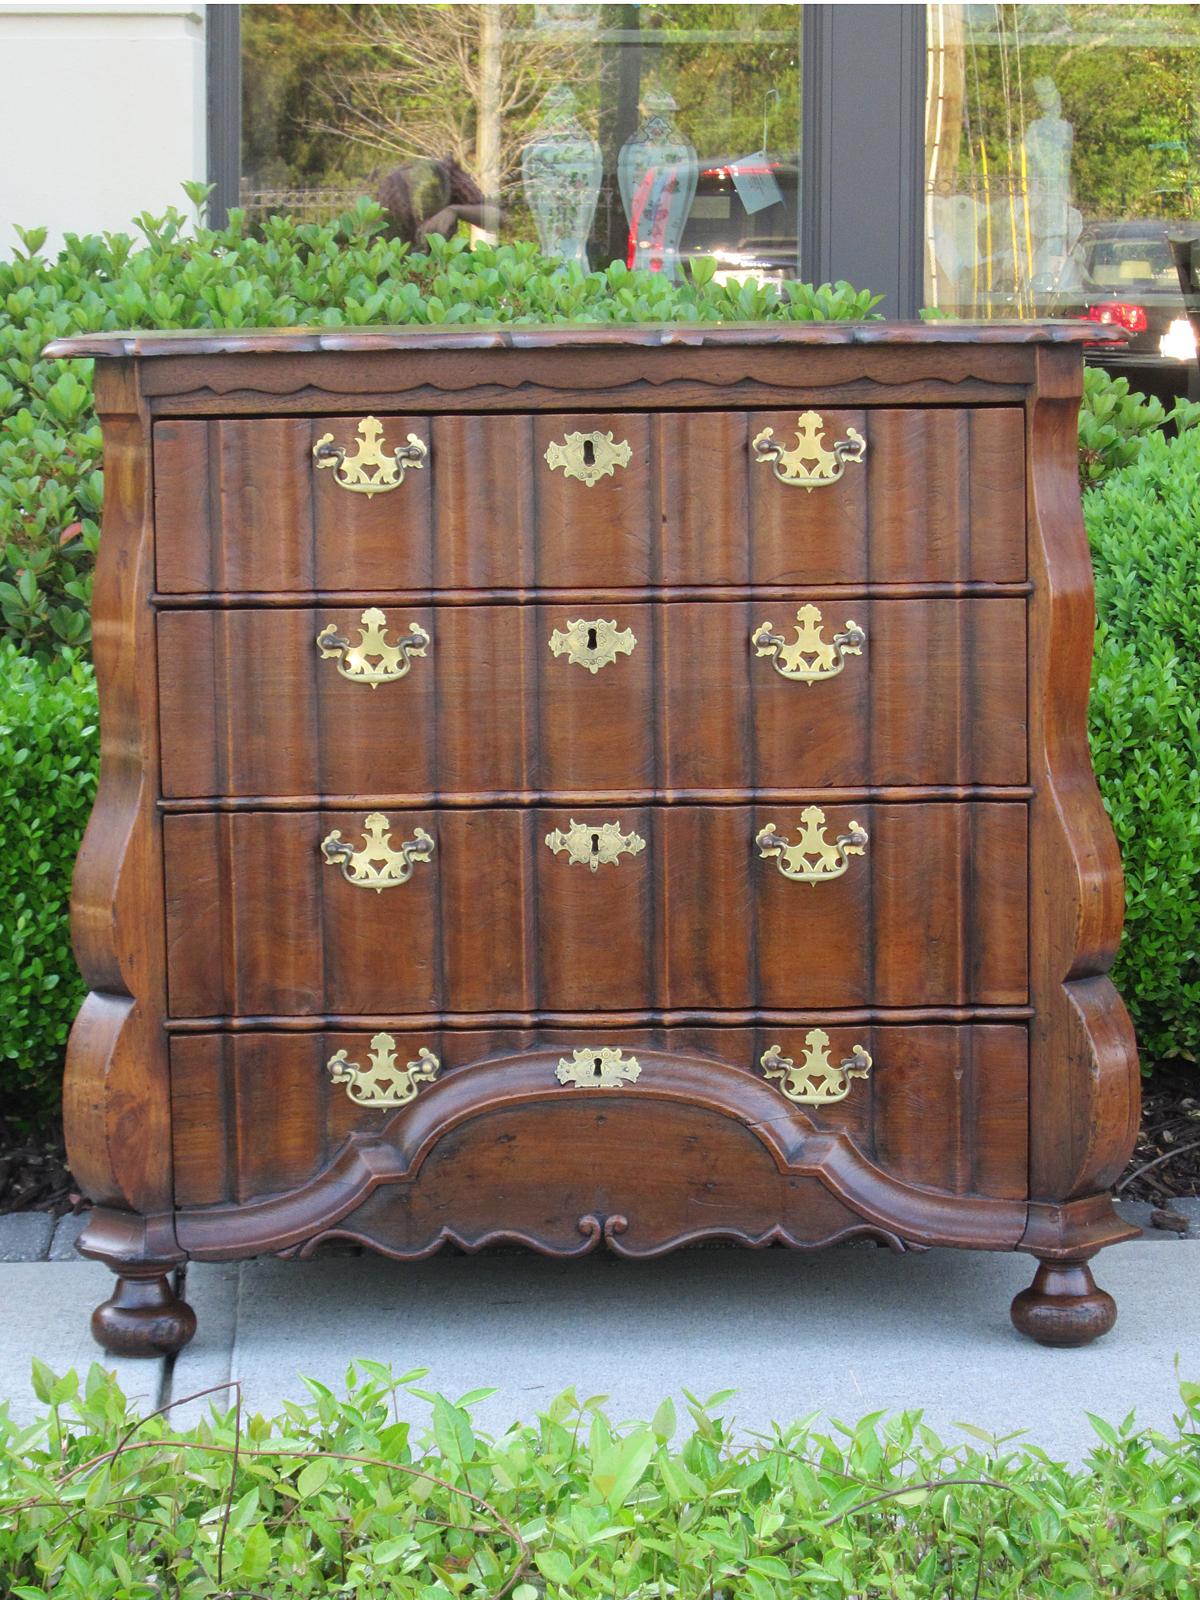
<point>595,908</point>
<point>942,1107</point>
<point>688,697</point>
<point>242,505</point>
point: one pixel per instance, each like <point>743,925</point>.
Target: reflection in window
<point>536,103</point>
<point>1062,146</point>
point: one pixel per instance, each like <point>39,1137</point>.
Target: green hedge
<point>1144,526</point>
<point>289,274</point>
<point>1115,422</point>
<point>337,1497</point>
<point>48,750</point>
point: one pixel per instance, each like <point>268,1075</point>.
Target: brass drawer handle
<point>592,644</point>
<point>372,660</point>
<point>812,859</point>
<point>810,463</point>
<point>375,865</point>
<point>588,456</point>
<point>598,1067</point>
<point>809,657</point>
<point>383,1083</point>
<point>595,844</point>
<point>816,1081</point>
<point>372,469</point>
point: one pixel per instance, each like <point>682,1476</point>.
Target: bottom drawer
<point>939,1106</point>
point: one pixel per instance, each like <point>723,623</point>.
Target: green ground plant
<point>339,1497</point>
<point>48,750</point>
<point>1144,526</point>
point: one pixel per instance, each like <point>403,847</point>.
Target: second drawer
<point>483,701</point>
<point>595,908</point>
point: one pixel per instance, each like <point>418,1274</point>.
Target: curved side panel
<point>693,1150</point>
<point>1084,1080</point>
<point>116,1098</point>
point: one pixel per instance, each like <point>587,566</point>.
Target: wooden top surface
<point>265,341</point>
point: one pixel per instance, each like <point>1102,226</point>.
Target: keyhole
<point>595,844</point>
<point>589,452</point>
<point>591,640</point>
<point>597,1065</point>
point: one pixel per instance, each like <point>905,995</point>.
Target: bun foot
<point>144,1317</point>
<point>1063,1306</point>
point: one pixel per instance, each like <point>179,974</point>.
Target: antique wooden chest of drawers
<point>581,787</point>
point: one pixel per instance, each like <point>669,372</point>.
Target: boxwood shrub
<point>1144,526</point>
<point>48,749</point>
<point>339,1497</point>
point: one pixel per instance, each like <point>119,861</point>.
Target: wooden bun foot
<point>144,1317</point>
<point>1063,1306</point>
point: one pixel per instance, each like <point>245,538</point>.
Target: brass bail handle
<point>382,1082</point>
<point>373,468</point>
<point>810,463</point>
<point>376,864</point>
<point>373,660</point>
<point>810,656</point>
<point>813,858</point>
<point>816,1080</point>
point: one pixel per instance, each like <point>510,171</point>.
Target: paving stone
<point>25,1235</point>
<point>836,1335</point>
<point>45,1307</point>
<point>1141,1211</point>
<point>62,1246</point>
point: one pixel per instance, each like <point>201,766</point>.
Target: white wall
<point>102,114</point>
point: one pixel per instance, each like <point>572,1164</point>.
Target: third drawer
<point>596,908</point>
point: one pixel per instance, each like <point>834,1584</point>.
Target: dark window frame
<point>862,143</point>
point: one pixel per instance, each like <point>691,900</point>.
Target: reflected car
<point>1127,278</point>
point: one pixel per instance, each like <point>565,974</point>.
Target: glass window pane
<point>1062,148</point>
<point>535,104</point>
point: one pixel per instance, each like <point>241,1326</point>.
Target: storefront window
<point>646,133</point>
<point>1062,151</point>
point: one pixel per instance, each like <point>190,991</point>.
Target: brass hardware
<point>383,1083</point>
<point>376,865</point>
<point>592,644</point>
<point>825,464</point>
<point>598,1067</point>
<point>372,660</point>
<point>370,455</point>
<point>812,859</point>
<point>816,1081</point>
<point>588,456</point>
<point>595,844</point>
<point>809,657</point>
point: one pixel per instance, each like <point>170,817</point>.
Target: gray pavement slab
<point>67,1230</point>
<point>25,1235</point>
<point>839,1334</point>
<point>45,1308</point>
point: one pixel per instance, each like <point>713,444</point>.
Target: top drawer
<point>242,506</point>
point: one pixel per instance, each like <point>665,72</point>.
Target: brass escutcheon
<point>816,1081</point>
<point>592,644</point>
<point>810,463</point>
<point>588,456</point>
<point>598,1067</point>
<point>812,859</point>
<point>595,844</point>
<point>372,660</point>
<point>372,469</point>
<point>375,865</point>
<point>809,657</point>
<point>383,1083</point>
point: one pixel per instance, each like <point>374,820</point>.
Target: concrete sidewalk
<point>841,1333</point>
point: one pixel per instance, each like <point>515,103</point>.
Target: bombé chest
<point>572,786</point>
